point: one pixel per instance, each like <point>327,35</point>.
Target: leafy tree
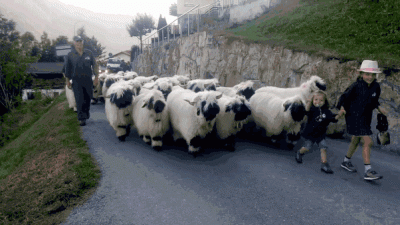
<point>161,23</point>
<point>173,10</point>
<point>28,41</point>
<point>60,40</point>
<point>141,25</point>
<point>91,44</point>
<point>48,53</point>
<point>13,64</point>
<point>134,52</point>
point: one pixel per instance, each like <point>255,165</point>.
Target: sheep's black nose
<point>159,106</point>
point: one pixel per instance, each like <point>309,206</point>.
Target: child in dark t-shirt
<point>319,117</point>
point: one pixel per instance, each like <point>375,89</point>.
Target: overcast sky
<point>127,7</point>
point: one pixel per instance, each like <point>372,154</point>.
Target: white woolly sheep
<point>70,97</point>
<point>183,79</point>
<point>150,117</point>
<point>163,85</point>
<point>203,84</point>
<point>245,89</point>
<point>192,115</point>
<point>144,80</point>
<point>233,114</point>
<point>315,83</point>
<point>130,75</point>
<point>109,80</point>
<point>121,73</point>
<point>276,114</point>
<point>135,85</point>
<point>118,107</point>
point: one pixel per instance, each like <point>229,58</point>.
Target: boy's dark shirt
<point>359,100</point>
<point>316,125</point>
<point>79,67</point>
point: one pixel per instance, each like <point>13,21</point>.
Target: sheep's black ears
<point>228,108</point>
<point>286,105</point>
<point>321,86</point>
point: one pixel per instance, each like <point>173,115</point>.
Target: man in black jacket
<point>79,67</point>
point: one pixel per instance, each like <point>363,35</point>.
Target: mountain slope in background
<point>57,18</point>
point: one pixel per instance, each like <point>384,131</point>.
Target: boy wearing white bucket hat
<point>357,102</point>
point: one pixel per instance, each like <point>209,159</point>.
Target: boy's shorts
<point>321,145</point>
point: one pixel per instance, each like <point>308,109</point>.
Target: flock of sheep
<point>194,109</point>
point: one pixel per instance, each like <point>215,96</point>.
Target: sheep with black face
<point>277,114</point>
<point>108,81</point>
<point>245,89</point>
<point>192,115</point>
<point>233,115</point>
<point>163,85</point>
<point>150,117</point>
<point>203,84</point>
<point>118,107</point>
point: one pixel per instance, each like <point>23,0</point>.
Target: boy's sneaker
<point>372,175</point>
<point>82,122</point>
<point>348,166</point>
<point>299,157</point>
<point>326,168</point>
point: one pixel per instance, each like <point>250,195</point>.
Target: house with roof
<point>47,77</point>
<point>124,55</point>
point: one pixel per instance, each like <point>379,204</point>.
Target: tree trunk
<point>141,44</point>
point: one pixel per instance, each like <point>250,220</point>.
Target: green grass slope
<point>346,29</point>
<point>45,167</point>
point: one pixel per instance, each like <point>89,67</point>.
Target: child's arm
<point>382,110</point>
<point>341,113</point>
<point>308,105</point>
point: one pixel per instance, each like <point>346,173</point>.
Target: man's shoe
<point>372,175</point>
<point>348,166</point>
<point>326,168</point>
<point>299,157</point>
<point>82,122</point>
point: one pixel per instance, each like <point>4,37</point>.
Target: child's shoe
<point>326,168</point>
<point>372,175</point>
<point>348,166</point>
<point>299,157</point>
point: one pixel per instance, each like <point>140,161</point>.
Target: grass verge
<point>46,170</point>
<point>349,30</point>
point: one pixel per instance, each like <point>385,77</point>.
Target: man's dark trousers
<point>83,91</point>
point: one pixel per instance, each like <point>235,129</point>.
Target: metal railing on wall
<point>156,40</point>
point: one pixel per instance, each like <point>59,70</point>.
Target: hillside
<point>57,18</point>
<point>350,30</point>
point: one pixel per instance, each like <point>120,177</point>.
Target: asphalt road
<point>256,184</point>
